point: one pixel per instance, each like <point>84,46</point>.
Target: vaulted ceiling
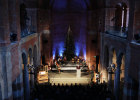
<point>71,5</point>
<point>62,5</point>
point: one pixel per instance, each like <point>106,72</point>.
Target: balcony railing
<point>119,32</point>
<point>26,32</point>
<point>135,42</point>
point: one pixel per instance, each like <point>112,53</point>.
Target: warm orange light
<point>103,76</point>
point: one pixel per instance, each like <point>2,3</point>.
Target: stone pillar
<point>0,93</point>
<point>110,81</point>
<point>110,69</point>
<point>139,87</point>
<point>128,80</point>
<point>26,83</point>
<point>32,77</point>
<point>9,72</point>
<point>5,72</point>
<point>117,78</point>
<point>101,49</point>
<point>110,78</point>
<point>15,89</point>
<point>39,49</point>
<point>131,19</point>
<point>4,75</point>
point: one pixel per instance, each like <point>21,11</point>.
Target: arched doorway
<point>106,63</point>
<point>31,68</point>
<point>114,57</point>
<point>114,61</point>
<point>122,74</point>
<point>25,77</point>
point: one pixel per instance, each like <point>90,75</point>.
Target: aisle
<point>69,77</point>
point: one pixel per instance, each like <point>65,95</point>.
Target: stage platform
<point>69,77</point>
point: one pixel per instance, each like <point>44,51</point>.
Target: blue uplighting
<point>60,4</point>
<point>80,47</point>
<point>61,48</point>
<point>54,53</point>
<point>77,47</point>
<point>84,52</point>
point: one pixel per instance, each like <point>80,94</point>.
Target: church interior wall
<point>89,32</point>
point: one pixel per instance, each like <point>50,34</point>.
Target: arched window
<point>121,17</point>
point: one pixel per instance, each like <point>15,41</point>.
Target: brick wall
<point>28,43</point>
<point>15,62</point>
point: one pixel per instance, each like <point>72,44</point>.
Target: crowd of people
<point>63,60</point>
<point>72,92</point>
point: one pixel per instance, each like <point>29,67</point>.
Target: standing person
<point>58,67</point>
<point>92,73</point>
<point>65,59</point>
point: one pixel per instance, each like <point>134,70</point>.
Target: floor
<point>69,77</point>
